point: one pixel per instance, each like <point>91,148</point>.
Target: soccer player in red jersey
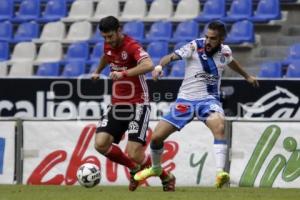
<point>130,107</point>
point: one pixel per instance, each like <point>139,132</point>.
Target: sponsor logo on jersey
<point>124,55</point>
<point>208,78</point>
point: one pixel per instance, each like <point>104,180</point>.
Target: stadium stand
<point>271,70</point>
<point>96,53</point>
<point>50,52</point>
<point>80,10</point>
<point>23,52</point>
<point>160,30</point>
<point>134,10</point>
<point>239,10</point>
<point>267,10</point>
<point>105,8</point>
<point>160,10</point>
<point>48,69</point>
<point>21,69</point>
<point>28,10</point>
<point>135,29</point>
<point>241,32</point>
<point>186,31</point>
<point>177,69</point>
<point>55,10</point>
<point>27,31</point>
<point>6,31</point>
<point>73,68</point>
<point>52,31</point>
<point>212,9</point>
<point>4,51</point>
<point>293,70</point>
<point>6,10</point>
<point>186,10</point>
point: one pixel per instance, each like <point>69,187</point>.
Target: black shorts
<point>121,118</point>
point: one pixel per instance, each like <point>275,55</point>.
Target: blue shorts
<point>183,111</point>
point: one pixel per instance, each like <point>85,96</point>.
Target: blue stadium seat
<point>74,68</point>
<point>97,37</point>
<point>293,70</point>
<point>177,69</point>
<point>27,31</point>
<point>158,49</point>
<point>241,32</point>
<point>4,51</point>
<point>48,69</point>
<point>160,31</point>
<point>271,70</point>
<point>6,9</point>
<point>6,31</point>
<point>267,10</point>
<point>29,10</point>
<point>239,10</point>
<point>55,10</point>
<point>212,10</point>
<point>186,31</point>
<point>135,29</point>
<point>77,51</point>
<point>96,53</point>
<point>294,52</point>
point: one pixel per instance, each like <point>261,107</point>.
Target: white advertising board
<point>265,154</point>
<point>53,150</point>
<point>7,152</point>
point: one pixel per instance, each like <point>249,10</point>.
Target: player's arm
<point>101,66</point>
<point>157,72</point>
<point>236,66</point>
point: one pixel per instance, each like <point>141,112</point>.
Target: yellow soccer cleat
<point>146,173</point>
<point>222,179</point>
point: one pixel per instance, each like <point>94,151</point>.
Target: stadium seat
<point>6,31</point>
<point>271,70</point>
<point>77,51</point>
<point>134,29</point>
<point>29,10</point>
<point>55,10</point>
<point>267,10</point>
<point>178,69</point>
<point>48,69</point>
<point>80,10</point>
<point>4,51</point>
<point>50,52</point>
<point>134,10</point>
<point>241,32</point>
<point>23,52</point>
<point>293,53</point>
<point>212,10</point>
<point>96,53</point>
<point>74,68</point>
<point>293,70</point>
<point>158,49</point>
<point>186,31</point>
<point>21,69</point>
<point>160,30</point>
<point>52,31</point>
<point>186,10</point>
<point>27,31</point>
<point>106,8</point>
<point>239,10</point>
<point>97,37</point>
<point>6,10</point>
<point>79,31</point>
<point>3,69</point>
<point>160,10</point>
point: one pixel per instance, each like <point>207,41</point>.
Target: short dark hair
<point>219,26</point>
<point>108,24</point>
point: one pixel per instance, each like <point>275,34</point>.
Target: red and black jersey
<point>127,55</point>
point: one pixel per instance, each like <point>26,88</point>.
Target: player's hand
<point>253,81</point>
<point>116,75</point>
<point>157,72</point>
<point>95,76</point>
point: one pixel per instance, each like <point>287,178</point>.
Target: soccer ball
<point>88,175</point>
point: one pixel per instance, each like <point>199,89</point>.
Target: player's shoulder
<point>226,50</point>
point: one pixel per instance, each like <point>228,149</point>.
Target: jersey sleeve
<point>138,52</point>
<point>227,53</point>
<point>186,51</point>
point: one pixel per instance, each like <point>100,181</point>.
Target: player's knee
<point>219,130</point>
<point>101,147</point>
<point>135,154</point>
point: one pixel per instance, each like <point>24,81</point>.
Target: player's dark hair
<point>108,24</point>
<point>218,26</point>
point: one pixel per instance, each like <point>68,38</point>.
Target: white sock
<point>156,157</point>
<point>220,149</point>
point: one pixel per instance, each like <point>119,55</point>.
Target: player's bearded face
<point>212,41</point>
<point>112,38</point>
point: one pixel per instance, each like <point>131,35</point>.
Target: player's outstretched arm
<point>158,72</point>
<point>236,66</point>
<point>101,66</point>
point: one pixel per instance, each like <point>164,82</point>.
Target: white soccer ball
<point>88,175</point>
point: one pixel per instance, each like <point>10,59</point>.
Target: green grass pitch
<point>26,192</point>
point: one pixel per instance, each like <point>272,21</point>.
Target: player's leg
<point>215,122</point>
<point>108,132</point>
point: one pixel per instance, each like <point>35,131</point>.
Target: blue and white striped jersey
<point>202,73</point>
